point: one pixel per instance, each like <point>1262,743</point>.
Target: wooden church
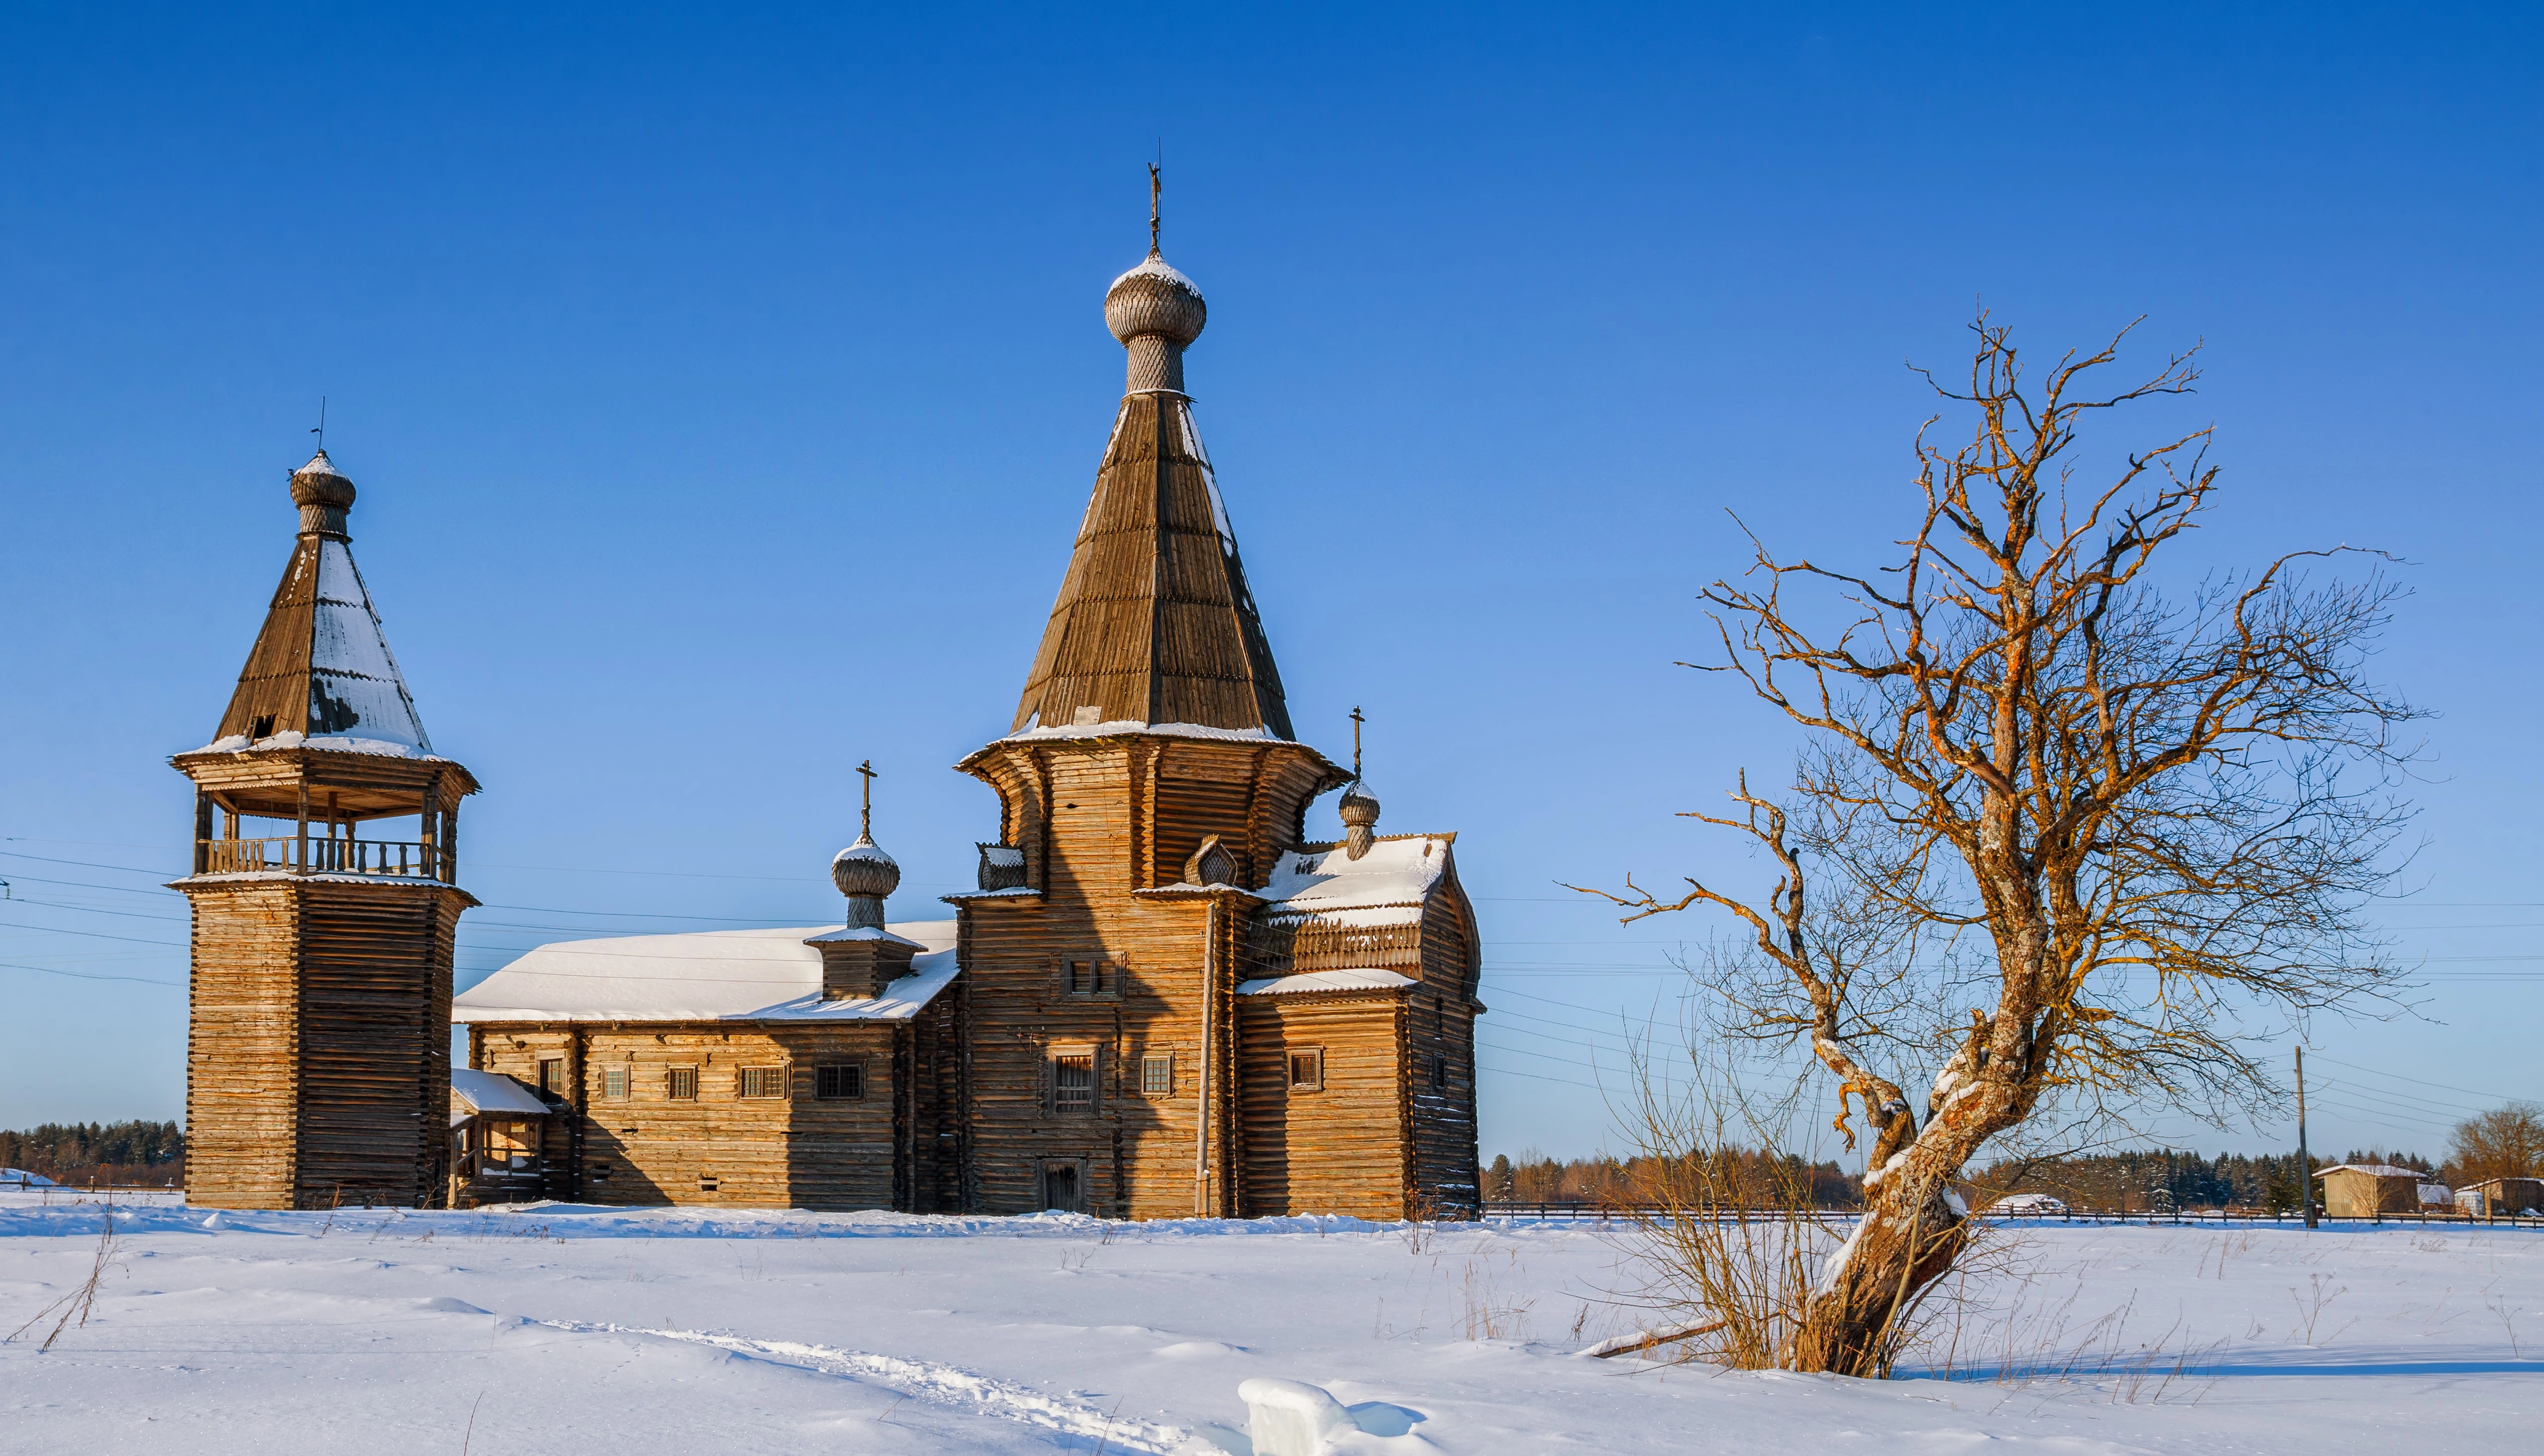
<point>1165,999</point>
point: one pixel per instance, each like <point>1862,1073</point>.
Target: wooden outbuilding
<point>2500,1197</point>
<point>325,891</point>
<point>2365,1191</point>
<point>498,1139</point>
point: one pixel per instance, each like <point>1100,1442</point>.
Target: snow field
<point>573,1329</point>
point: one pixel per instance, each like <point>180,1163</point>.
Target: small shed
<point>2366,1189</point>
<point>2502,1197</point>
<point>496,1125</point>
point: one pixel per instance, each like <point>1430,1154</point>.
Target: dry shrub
<point>1725,1238</point>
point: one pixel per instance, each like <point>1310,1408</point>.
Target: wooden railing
<point>324,856</point>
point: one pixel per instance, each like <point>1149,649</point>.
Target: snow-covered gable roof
<point>492,1094</point>
<point>705,976</point>
<point>1389,886</point>
<point>2374,1170</point>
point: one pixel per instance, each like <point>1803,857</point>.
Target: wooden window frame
<point>775,1083</point>
<point>1157,1074</point>
<point>1090,979</point>
<point>671,1084</point>
<point>1057,1058</point>
<point>851,1072</point>
<point>558,1063</point>
<point>614,1080</point>
<point>1315,1057</point>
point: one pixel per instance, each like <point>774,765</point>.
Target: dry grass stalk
<point>76,1305</point>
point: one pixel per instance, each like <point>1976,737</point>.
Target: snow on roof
<point>701,976</point>
<point>864,933</point>
<point>493,1093</point>
<point>1115,727</point>
<point>1156,268</point>
<point>1384,887</point>
<point>867,850</point>
<point>353,679</point>
<point>2376,1170</point>
<point>1324,980</point>
<point>340,742</point>
<point>1006,855</point>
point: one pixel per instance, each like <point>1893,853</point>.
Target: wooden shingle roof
<point>321,665</point>
<point>1154,622</point>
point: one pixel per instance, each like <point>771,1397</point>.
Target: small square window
<point>845,1081</point>
<point>597,1173</point>
<point>707,1182</point>
<point>1158,1075</point>
<point>552,1075</point>
<point>613,1082</point>
<point>1307,1069</point>
<point>682,1084</point>
<point>763,1082</point>
<point>1093,977</point>
<point>1072,1081</point>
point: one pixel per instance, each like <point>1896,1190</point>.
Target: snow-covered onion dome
<point>1156,311</point>
<point>323,495</point>
<point>1153,298</point>
<point>1359,813</point>
<point>863,869</point>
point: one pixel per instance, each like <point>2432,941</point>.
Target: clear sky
<point>724,386</point>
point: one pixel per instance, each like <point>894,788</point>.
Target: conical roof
<point>1154,623</point>
<point>321,665</point>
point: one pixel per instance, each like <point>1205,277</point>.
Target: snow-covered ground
<point>571,1329</point>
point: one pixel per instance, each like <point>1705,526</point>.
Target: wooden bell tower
<point>325,893</point>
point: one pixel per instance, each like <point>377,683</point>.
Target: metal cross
<point>1157,186</point>
<point>865,814</point>
<point>321,431</point>
<point>1357,721</point>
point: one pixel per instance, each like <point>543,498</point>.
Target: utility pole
<point>2305,1165</point>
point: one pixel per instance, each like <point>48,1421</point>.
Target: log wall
<point>318,1068</point>
<point>1340,1149</point>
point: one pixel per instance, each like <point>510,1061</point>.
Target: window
<point>1439,1074</point>
<point>1307,1069</point>
<point>763,1082</point>
<point>1158,1075</point>
<point>597,1172</point>
<point>1072,1081</point>
<point>845,1081</point>
<point>1094,979</point>
<point>613,1082</point>
<point>682,1084</point>
<point>552,1075</point>
<point>707,1182</point>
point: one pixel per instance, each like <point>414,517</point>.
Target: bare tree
<point>2058,837</point>
<point>2504,1142</point>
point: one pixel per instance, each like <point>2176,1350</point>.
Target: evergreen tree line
<point>1751,1175</point>
<point>109,1152</point>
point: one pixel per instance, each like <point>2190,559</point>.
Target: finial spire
<point>1156,188</point>
<point>865,810</point>
<point>1359,808</point>
<point>321,431</point>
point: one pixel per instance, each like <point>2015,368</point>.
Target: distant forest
<point>2155,1180</point>
<point>93,1152</point>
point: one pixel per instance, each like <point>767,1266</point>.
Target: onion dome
<point>323,495</point>
<point>1153,298</point>
<point>863,869</point>
<point>1359,813</point>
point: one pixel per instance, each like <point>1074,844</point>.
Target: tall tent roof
<point>1154,623</point>
<point>321,665</point>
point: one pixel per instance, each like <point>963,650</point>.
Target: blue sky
<point>724,386</point>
